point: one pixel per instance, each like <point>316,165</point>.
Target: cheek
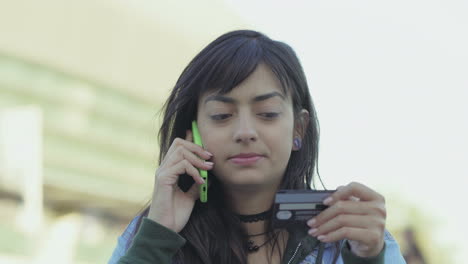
<point>282,145</point>
<point>283,134</point>
<point>279,141</point>
<point>211,139</point>
<point>213,147</point>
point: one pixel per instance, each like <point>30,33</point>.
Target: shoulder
<point>392,252</point>
<point>131,229</point>
<point>124,240</point>
<point>392,249</point>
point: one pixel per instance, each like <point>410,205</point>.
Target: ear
<point>300,127</point>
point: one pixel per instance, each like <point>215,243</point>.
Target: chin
<point>244,181</point>
<point>247,181</point>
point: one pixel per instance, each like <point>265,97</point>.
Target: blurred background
<point>81,84</point>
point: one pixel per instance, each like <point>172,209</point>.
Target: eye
<point>220,117</point>
<point>269,115</point>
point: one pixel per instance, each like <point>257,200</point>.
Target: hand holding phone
<point>172,203</point>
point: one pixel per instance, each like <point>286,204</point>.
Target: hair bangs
<point>230,65</point>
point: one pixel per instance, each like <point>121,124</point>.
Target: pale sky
<point>390,84</point>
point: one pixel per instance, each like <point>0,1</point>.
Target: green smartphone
<point>203,173</point>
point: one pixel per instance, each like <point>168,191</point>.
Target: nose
<point>245,130</point>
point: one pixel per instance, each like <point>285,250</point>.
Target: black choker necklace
<point>255,217</point>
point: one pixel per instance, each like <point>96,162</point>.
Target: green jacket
<point>155,243</point>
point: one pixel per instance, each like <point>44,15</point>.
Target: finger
<point>356,190</point>
<point>171,175</point>
<point>189,136</point>
<point>338,208</point>
<point>192,147</point>
<point>186,167</point>
<point>352,198</point>
<point>365,236</point>
<point>340,221</point>
<point>182,153</point>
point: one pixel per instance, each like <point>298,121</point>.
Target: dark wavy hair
<point>213,233</point>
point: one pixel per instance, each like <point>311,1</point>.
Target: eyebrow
<point>258,98</point>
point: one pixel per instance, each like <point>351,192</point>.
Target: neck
<point>253,200</point>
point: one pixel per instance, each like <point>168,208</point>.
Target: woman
<point>250,98</point>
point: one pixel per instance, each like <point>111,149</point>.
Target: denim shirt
<point>392,250</point>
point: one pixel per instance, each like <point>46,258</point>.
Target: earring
<point>297,143</point>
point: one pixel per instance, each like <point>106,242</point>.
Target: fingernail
<point>209,163</point>
<point>312,231</point>
<point>321,237</point>
<point>328,201</point>
<point>311,222</point>
<point>208,153</point>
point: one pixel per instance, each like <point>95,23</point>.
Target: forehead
<point>261,81</point>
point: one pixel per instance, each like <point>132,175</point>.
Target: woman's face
<point>249,130</point>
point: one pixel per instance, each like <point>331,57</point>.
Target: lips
<point>246,158</point>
